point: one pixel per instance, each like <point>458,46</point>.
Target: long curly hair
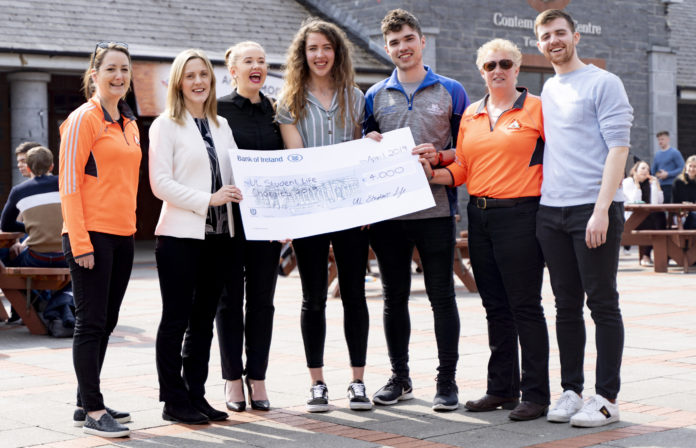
<point>293,94</point>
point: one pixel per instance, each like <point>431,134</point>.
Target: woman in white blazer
<point>641,187</point>
<point>195,251</point>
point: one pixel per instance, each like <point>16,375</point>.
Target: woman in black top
<point>251,116</point>
<point>684,189</point>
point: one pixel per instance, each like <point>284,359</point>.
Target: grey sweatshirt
<point>586,112</point>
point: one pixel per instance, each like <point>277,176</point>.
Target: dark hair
<point>549,16</point>
<point>24,147</point>
<point>95,62</point>
<point>662,133</point>
<point>39,160</point>
<point>397,18</point>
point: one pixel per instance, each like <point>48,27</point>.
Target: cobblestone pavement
<point>657,399</point>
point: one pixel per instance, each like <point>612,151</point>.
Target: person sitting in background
<point>684,189</point>
<point>641,187</point>
<point>7,254</point>
<point>38,201</point>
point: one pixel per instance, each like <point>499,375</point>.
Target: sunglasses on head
<point>505,64</point>
<point>105,44</point>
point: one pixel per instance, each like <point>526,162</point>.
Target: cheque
<point>302,192</point>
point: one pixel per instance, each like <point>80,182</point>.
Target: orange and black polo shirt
<point>505,161</point>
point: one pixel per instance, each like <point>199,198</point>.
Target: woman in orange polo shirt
<point>499,156</point>
<point>99,168</point>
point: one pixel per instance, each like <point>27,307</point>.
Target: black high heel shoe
<point>236,406</point>
<point>259,405</point>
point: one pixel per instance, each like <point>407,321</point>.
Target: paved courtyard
<point>658,395</point>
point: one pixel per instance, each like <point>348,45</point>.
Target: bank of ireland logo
<point>295,157</point>
<point>252,211</point>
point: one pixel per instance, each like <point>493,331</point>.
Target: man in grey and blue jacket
<point>431,105</point>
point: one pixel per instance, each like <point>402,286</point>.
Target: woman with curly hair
<point>320,105</point>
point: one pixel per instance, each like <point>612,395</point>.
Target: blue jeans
<point>508,267</point>
<point>51,260</point>
<point>393,242</point>
<point>53,310</point>
<point>576,270</point>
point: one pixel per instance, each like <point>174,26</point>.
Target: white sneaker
<point>598,411</point>
<point>566,406</point>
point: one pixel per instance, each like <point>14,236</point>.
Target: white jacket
<point>633,194</point>
<point>180,174</point>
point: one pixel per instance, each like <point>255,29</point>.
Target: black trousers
<point>576,270</point>
<point>98,294</point>
<point>393,242</point>
<point>192,275</point>
<point>350,251</point>
<point>508,267</point>
<point>248,323</point>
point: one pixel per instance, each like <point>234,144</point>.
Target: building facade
<point>44,47</point>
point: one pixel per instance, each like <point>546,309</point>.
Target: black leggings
<point>350,251</point>
<point>98,295</point>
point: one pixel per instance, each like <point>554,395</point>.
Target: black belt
<point>484,203</point>
<point>49,258</point>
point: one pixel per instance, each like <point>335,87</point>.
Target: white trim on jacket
<point>180,174</point>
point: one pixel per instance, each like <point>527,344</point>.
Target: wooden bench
<point>677,244</point>
<point>17,283</point>
<point>463,268</point>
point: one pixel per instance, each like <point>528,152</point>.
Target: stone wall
<point>622,32</point>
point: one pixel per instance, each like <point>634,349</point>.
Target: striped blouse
<point>321,127</point>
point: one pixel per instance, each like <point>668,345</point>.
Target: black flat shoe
<point>202,406</point>
<point>235,406</point>
<point>259,405</point>
<point>183,413</point>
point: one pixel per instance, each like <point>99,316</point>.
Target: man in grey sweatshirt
<point>587,121</point>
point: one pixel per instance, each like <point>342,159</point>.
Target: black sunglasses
<point>505,64</point>
<point>105,44</point>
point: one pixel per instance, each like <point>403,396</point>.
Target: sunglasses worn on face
<point>505,64</point>
<point>105,44</point>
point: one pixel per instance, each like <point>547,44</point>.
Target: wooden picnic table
<point>7,239</point>
<point>673,242</point>
<point>16,284</point>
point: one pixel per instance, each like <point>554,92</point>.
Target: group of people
<point>673,180</point>
<point>500,147</point>
<point>33,208</point>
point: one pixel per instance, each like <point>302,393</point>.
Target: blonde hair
<point>95,61</point>
<point>175,97</point>
<point>682,175</point>
<point>233,54</point>
<point>293,96</point>
<point>498,45</point>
